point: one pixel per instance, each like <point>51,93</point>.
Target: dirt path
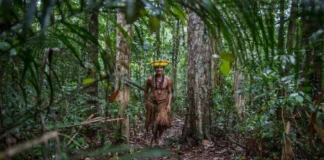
<point>208,151</point>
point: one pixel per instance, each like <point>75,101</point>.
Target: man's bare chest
<point>156,84</point>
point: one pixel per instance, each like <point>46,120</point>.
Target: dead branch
<point>102,119</point>
<point>27,145</point>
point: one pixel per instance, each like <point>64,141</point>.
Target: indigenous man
<point>157,97</point>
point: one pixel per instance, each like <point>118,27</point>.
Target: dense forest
<point>247,78</point>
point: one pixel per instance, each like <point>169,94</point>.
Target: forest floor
<point>209,150</point>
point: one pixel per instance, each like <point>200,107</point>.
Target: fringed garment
<point>157,111</point>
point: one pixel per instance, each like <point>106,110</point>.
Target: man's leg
<point>161,130</point>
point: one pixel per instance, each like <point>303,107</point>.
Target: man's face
<point>159,70</point>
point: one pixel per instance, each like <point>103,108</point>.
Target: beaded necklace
<point>161,84</point>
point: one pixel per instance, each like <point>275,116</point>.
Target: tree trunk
<point>292,25</point>
<point>1,96</point>
<point>92,91</point>
<point>312,66</point>
<point>198,119</point>
<point>281,42</point>
<point>281,27</point>
<point>158,41</point>
<point>122,67</point>
<point>239,97</point>
<point>216,48</point>
<point>175,53</point>
<point>93,59</point>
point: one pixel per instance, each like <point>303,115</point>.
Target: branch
<point>27,145</point>
<point>133,84</point>
<point>95,120</point>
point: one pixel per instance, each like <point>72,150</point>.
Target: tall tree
<point>1,96</point>
<point>122,71</point>
<point>292,25</point>
<point>93,56</point>
<point>198,118</point>
<point>312,66</point>
<point>239,97</point>
<point>216,46</point>
<point>175,54</point>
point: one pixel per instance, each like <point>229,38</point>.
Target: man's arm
<point>170,94</point>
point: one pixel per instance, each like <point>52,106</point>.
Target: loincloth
<point>157,111</point>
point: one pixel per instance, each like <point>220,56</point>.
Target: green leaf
<point>179,13</point>
<point>88,80</point>
<point>153,24</point>
<point>4,46</point>
<point>225,67</point>
<point>227,56</point>
<point>13,52</point>
<point>66,41</point>
<point>82,32</point>
<point>299,99</point>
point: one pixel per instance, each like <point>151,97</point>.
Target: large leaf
<point>82,32</point>
<point>153,23</point>
<point>225,67</point>
<point>227,56</point>
<point>4,46</point>
<point>179,13</point>
<point>88,80</point>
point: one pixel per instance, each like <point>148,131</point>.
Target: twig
<point>29,144</point>
<point>97,120</point>
<point>72,139</point>
<point>43,127</point>
<point>232,140</point>
<point>133,84</point>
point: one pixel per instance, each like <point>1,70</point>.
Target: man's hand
<point>169,108</point>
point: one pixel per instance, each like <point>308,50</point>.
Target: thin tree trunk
<point>93,59</point>
<point>1,96</point>
<point>216,45</point>
<point>313,58</point>
<point>158,39</point>
<point>239,97</point>
<point>281,42</point>
<point>281,51</point>
<point>175,53</point>
<point>292,25</point>
<point>291,32</point>
<point>281,27</point>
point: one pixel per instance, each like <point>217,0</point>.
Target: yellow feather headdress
<point>160,63</point>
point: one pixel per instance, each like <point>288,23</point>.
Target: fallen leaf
<point>205,142</point>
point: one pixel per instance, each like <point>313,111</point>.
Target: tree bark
<point>175,53</point>
<point>215,49</point>
<point>198,119</point>
<point>239,97</point>
<point>93,59</point>
<point>313,58</point>
<point>1,96</point>
<point>122,71</point>
<point>292,25</point>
